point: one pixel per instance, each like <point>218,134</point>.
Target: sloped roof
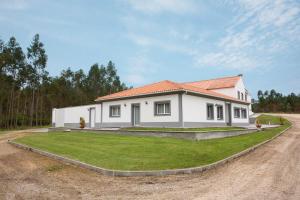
<point>165,86</point>
<point>218,83</point>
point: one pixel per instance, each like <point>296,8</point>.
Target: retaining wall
<point>177,134</point>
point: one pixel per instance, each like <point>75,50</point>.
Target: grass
<point>274,120</point>
<point>158,129</point>
<point>125,152</point>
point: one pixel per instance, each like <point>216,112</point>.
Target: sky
<point>154,40</point>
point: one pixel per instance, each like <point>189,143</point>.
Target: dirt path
<point>270,172</point>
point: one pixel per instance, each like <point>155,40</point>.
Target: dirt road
<point>270,172</point>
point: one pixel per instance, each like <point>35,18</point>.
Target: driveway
<point>270,172</point>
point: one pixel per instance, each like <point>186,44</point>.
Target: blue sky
<point>166,39</point>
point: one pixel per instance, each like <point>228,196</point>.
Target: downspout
<point>101,120</point>
<point>180,110</point>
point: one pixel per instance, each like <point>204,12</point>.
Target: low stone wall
<point>145,173</point>
<point>177,134</point>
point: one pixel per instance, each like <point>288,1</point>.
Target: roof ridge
<point>213,79</point>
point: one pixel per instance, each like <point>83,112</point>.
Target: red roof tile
<point>164,87</point>
<point>226,82</point>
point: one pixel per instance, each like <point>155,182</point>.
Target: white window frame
<point>111,113</point>
<point>164,110</point>
<point>239,115</point>
<point>220,115</point>
<point>244,116</point>
<point>208,112</point>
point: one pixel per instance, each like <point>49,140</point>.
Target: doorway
<point>135,113</point>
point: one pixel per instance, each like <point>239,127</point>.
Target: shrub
<point>82,122</point>
<point>281,120</point>
<point>257,123</point>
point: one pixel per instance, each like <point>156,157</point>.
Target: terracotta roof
<point>164,87</point>
<point>218,83</point>
<point>159,87</point>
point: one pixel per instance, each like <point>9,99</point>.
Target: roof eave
<point>140,96</point>
<point>218,98</point>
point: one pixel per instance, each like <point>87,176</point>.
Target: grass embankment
<point>158,129</point>
<point>125,152</point>
<point>270,119</point>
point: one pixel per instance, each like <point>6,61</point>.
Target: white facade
<point>146,110</point>
<point>233,92</point>
<point>195,109</point>
<point>192,114</point>
<point>185,109</point>
<point>70,116</point>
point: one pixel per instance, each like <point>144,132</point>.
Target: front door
<point>92,117</point>
<point>135,114</point>
<point>228,114</point>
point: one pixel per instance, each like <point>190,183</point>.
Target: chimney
<point>240,75</point>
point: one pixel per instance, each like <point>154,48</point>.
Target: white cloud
<point>261,30</point>
<point>157,6</point>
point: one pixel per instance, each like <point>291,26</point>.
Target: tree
<point>28,93</point>
<point>276,102</point>
<point>37,58</point>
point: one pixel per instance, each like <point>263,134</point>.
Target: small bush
<point>281,120</point>
<point>257,123</point>
<point>82,122</point>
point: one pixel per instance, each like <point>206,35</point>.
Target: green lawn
<point>125,152</point>
<point>158,129</point>
<point>274,120</point>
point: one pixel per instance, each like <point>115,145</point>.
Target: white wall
<point>233,92</point>
<point>73,114</point>
<point>59,117</point>
<point>194,109</point>
<point>239,120</point>
<point>146,110</point>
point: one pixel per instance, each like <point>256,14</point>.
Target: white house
<point>216,102</point>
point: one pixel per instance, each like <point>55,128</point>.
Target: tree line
<point>272,101</point>
<point>28,93</point>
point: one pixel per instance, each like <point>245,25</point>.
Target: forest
<point>28,93</point>
<point>272,101</point>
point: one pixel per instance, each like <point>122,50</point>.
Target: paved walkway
<point>270,172</point>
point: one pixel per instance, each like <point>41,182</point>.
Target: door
<point>135,114</point>
<point>228,114</point>
<point>92,117</point>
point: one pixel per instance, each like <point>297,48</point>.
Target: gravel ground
<point>270,172</point>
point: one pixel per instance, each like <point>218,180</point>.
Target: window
<point>237,112</point>
<point>219,112</point>
<point>162,108</point>
<point>210,111</point>
<point>239,94</point>
<point>246,97</point>
<point>244,113</point>
<point>115,111</point>
<point>242,95</point>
